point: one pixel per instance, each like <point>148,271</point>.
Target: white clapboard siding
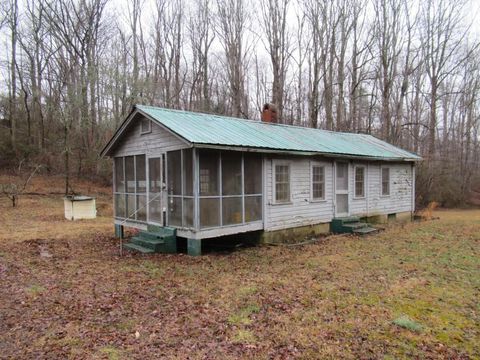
<point>155,142</point>
<point>400,198</point>
<point>302,210</point>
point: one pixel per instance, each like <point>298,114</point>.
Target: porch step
<point>156,245</point>
<point>350,225</point>
<point>156,239</point>
<point>135,247</point>
<point>365,230</point>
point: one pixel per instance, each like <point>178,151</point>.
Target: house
<point>206,176</point>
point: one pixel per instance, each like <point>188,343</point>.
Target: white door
<point>341,189</point>
<point>155,191</point>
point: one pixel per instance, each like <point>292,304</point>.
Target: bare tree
<point>278,45</point>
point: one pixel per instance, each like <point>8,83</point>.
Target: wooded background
<point>406,71</point>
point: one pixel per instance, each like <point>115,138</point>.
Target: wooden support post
<point>119,231</point>
<point>194,247</point>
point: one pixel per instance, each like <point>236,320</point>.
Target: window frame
<point>312,198</point>
<point>389,181</point>
<point>276,163</point>
<point>355,195</point>
<point>142,132</point>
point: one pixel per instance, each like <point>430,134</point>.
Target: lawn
<point>410,291</point>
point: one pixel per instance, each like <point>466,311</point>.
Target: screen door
<point>155,211</point>
<point>341,189</point>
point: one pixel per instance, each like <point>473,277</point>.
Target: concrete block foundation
<point>293,235</point>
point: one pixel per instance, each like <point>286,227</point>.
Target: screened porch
<point>190,189</point>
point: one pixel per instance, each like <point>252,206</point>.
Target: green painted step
<point>161,230</point>
<point>156,245</point>
<point>156,239</point>
<point>348,225</point>
<point>147,235</point>
<point>135,247</point>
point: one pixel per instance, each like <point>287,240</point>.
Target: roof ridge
<point>247,120</point>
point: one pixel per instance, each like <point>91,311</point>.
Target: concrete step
<point>364,230</point>
<point>354,226</point>
<point>135,247</point>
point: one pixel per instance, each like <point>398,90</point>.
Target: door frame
<point>161,158</point>
<point>342,192</point>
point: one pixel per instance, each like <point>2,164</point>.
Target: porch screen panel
<point>209,212</point>
<point>175,172</point>
<point>230,188</point>
<point>130,188</point>
<point>231,173</point>
<point>130,174</point>
<point>119,175</point>
<point>232,208</point>
<point>188,172</point>
<point>253,173</point>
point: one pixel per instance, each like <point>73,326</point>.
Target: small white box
<point>80,207</point>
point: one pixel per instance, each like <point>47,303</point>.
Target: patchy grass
<point>339,298</point>
<point>407,323</point>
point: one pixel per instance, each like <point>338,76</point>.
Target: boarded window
<point>318,182</point>
<point>232,210</point>
<point>175,172</point>
<point>119,175</point>
<point>359,181</point>
<point>231,173</point>
<point>130,173</point>
<point>209,212</point>
<point>146,126</point>
<point>385,181</point>
<point>253,174</point>
<point>209,176</point>
<point>282,183</point>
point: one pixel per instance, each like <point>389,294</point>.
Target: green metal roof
<point>208,129</point>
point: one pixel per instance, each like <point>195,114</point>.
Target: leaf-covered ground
<point>410,291</point>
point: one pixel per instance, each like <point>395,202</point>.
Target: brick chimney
<point>269,113</point>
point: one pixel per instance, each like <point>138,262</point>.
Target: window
<point>146,126</point>
<point>385,181</point>
<point>282,183</point>
<point>130,188</point>
<point>359,181</point>
<point>318,182</point>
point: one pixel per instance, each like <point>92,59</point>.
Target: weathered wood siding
<point>159,140</point>
<point>303,211</point>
